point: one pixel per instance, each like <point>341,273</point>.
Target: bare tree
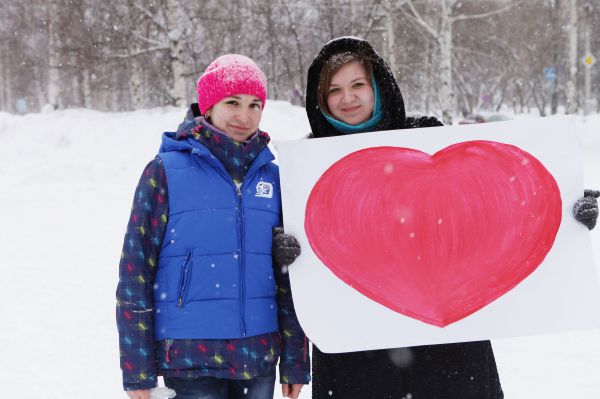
<point>447,55</point>
<point>439,26</point>
<point>572,57</point>
<point>54,59</point>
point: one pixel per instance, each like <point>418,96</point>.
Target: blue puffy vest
<point>215,275</point>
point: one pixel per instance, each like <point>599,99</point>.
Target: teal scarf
<point>365,126</point>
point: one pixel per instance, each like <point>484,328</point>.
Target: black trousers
<point>449,371</point>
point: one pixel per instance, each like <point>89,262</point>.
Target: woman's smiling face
<point>350,96</point>
<point>237,116</point>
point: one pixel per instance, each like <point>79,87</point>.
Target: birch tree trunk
<point>4,76</point>
<point>390,38</point>
<point>86,88</point>
<point>114,103</point>
<point>136,84</point>
<point>430,79</point>
<point>447,97</point>
<point>176,35</point>
<point>299,54</point>
<point>53,56</point>
<point>572,57</point>
<point>555,18</point>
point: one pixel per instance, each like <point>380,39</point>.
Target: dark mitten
<point>415,121</point>
<point>285,247</point>
<point>585,209</point>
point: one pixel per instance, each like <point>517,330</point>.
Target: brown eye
<point>334,90</point>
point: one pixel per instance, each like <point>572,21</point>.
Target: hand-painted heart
<point>439,237</point>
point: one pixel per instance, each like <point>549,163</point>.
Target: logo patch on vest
<point>264,190</point>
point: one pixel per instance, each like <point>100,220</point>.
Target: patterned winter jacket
<point>155,344</point>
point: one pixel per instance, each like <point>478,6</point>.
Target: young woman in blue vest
<point>351,89</point>
<point>199,299</point>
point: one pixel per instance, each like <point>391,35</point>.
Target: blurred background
<point>453,58</point>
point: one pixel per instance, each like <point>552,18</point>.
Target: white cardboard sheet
<point>562,294</point>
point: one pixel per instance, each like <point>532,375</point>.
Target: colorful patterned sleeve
<point>294,365</point>
<point>137,269</point>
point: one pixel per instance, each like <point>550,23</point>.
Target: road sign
<point>550,74</point>
<point>588,60</point>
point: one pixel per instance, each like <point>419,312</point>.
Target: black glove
<point>285,247</point>
<point>585,209</point>
<point>415,121</point>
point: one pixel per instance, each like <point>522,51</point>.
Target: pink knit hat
<point>228,75</point>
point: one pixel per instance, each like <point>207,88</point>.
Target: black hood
<point>393,105</point>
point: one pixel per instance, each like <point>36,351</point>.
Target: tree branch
<point>371,18</point>
<point>485,14</point>
<point>145,39</point>
<point>132,54</point>
<point>151,16</point>
<point>417,18</point>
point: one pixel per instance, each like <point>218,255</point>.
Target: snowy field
<point>66,184</point>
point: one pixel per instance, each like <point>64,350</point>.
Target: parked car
<point>497,118</point>
<point>483,119</point>
<point>472,119</point>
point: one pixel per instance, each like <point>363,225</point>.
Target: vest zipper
<point>242,259</point>
<point>240,213</point>
<point>183,281</point>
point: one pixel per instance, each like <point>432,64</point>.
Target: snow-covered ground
<point>66,184</point>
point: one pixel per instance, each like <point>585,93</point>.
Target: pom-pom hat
<point>228,75</point>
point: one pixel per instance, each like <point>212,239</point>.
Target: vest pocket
<point>184,279</point>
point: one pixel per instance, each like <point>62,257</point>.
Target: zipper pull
<point>239,191</point>
<point>180,302</point>
<point>169,343</point>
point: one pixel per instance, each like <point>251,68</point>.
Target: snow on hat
<point>228,75</point>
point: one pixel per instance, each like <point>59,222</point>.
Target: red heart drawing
<point>439,237</point>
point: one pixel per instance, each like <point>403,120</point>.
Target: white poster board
<point>560,294</point>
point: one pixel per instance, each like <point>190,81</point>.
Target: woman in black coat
<point>350,89</point>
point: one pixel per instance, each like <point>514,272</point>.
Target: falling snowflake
<point>388,168</point>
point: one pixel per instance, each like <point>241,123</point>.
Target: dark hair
<point>332,66</point>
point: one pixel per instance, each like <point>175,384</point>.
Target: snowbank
<point>67,179</point>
